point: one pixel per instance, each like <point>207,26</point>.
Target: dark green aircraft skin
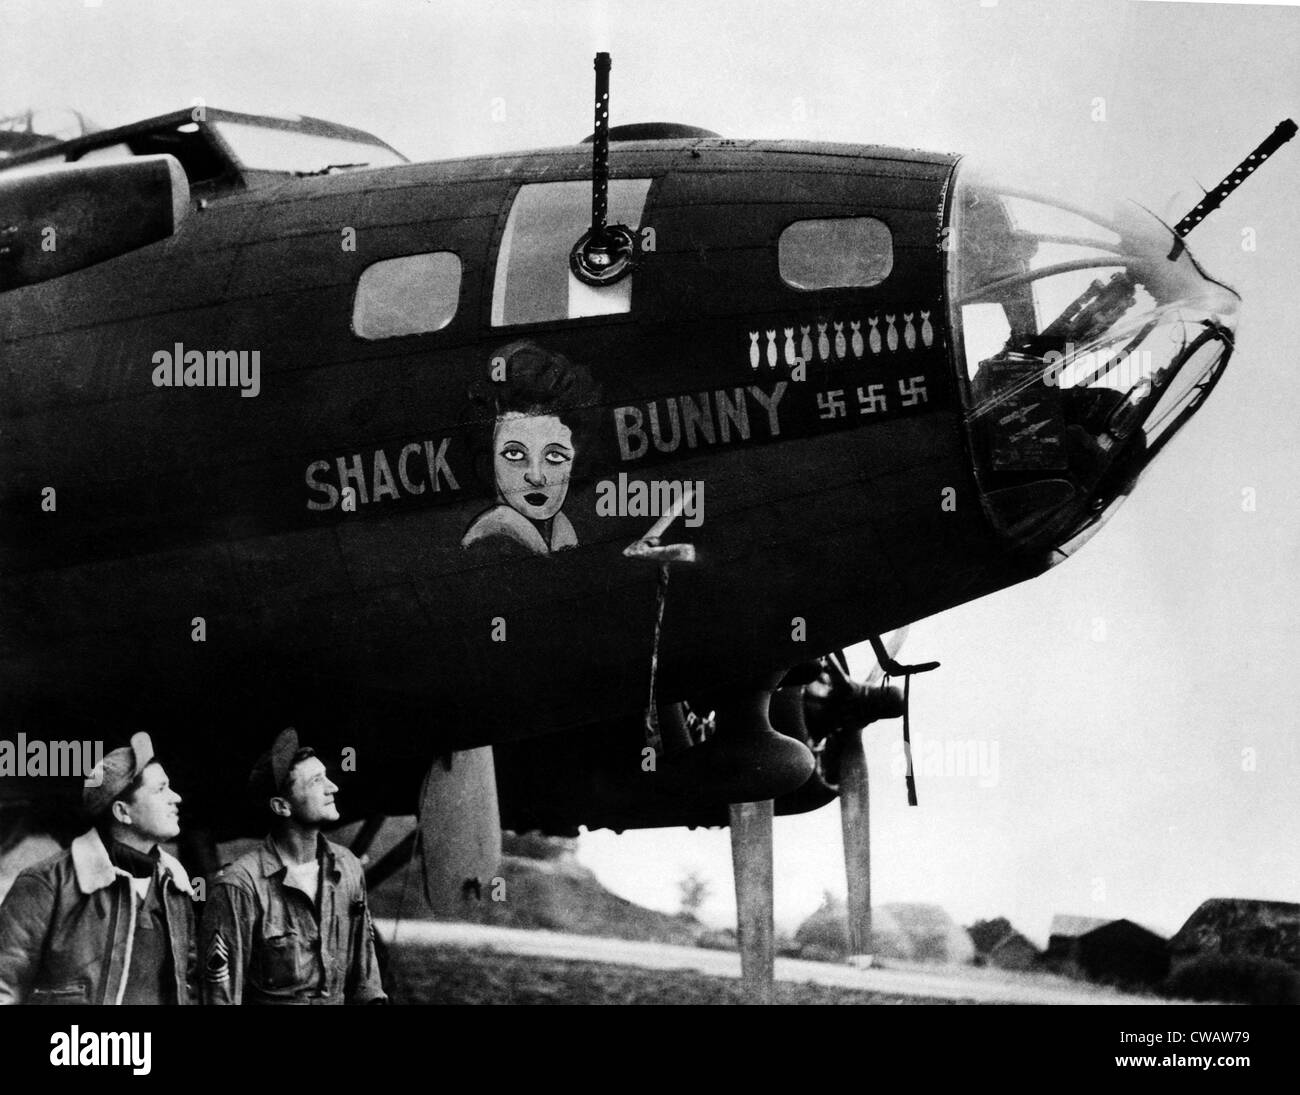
<point>375,628</point>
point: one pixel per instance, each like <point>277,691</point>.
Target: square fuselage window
<point>836,253</point>
<point>409,295</point>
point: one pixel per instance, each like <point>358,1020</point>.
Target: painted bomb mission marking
<point>822,341</point>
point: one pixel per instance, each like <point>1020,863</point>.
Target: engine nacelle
<point>67,218</point>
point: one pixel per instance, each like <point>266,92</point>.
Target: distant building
<point>1124,953</point>
<point>1066,928</point>
<point>998,944</point>
<point>1062,954</point>
<point>1015,952</point>
<point>1237,926</point>
<point>1117,952</point>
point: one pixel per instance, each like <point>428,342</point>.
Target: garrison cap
<point>113,775</point>
<point>271,772</point>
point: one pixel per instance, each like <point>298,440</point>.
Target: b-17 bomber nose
<point>1086,336</point>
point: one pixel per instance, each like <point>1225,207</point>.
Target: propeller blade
<point>855,822</point>
<point>837,665</point>
<point>751,858</point>
<point>893,642</point>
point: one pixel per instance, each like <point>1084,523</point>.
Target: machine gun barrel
<point>600,150</point>
<point>605,252</point>
<point>1207,205</point>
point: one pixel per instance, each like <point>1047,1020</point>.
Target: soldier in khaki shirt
<point>287,923</point>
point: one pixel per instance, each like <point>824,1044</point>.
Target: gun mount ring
<point>603,257</point>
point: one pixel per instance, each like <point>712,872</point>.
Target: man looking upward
<point>287,923</point>
<point>110,920</point>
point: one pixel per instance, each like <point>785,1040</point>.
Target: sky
<point>1134,708</point>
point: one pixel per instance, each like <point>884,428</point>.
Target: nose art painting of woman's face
<point>530,426</point>
<point>532,458</point>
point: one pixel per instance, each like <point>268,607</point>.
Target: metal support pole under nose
<point>855,822</point>
<point>751,854</point>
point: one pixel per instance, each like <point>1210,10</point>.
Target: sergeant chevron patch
<point>217,966</point>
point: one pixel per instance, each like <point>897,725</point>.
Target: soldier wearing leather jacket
<point>111,919</point>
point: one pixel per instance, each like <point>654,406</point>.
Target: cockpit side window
<point>837,253</point>
<point>410,295</point>
<point>533,282</point>
<point>268,148</point>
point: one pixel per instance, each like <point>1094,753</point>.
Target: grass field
<point>455,975</point>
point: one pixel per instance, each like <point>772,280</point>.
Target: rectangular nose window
<point>841,253</point>
<point>407,296</point>
<point>533,282</point>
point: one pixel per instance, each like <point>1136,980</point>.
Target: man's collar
<point>136,863</point>
<point>272,861</point>
<point>90,863</point>
<point>94,869</point>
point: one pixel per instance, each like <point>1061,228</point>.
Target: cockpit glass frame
<point>276,148</point>
<point>1084,336</point>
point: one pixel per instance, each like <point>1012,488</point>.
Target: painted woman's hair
<point>535,382</point>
